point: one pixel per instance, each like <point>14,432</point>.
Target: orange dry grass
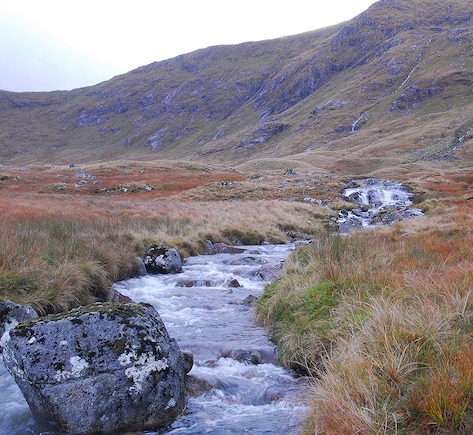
<point>58,251</point>
<point>391,359</point>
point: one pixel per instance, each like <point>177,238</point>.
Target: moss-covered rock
<point>100,368</point>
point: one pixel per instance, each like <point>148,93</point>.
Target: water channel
<point>207,309</point>
<point>212,318</point>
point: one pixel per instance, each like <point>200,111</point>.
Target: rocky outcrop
<point>11,314</point>
<point>101,368</point>
<point>162,259</point>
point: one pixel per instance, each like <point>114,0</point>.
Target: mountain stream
<point>377,203</point>
<point>207,315</point>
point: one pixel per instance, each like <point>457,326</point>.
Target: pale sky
<point>64,44</point>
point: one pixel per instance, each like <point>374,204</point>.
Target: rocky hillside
<point>392,87</point>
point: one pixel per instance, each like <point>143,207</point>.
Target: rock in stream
<point>102,368</point>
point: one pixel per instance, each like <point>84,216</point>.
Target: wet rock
<point>244,261</point>
<point>209,248</point>
<point>102,368</point>
<point>195,386</point>
<point>245,356</point>
<point>223,248</point>
<point>249,300</point>
<point>194,283</point>
<point>141,267</point>
<point>234,284</point>
<point>391,217</point>
<point>162,259</point>
<point>188,361</point>
<point>11,314</point>
<point>271,271</point>
<point>297,236</point>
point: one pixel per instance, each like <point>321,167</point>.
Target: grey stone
<point>195,283</point>
<point>244,261</point>
<point>188,360</point>
<point>250,300</point>
<point>162,259</point>
<point>271,271</point>
<point>84,174</point>
<point>141,265</point>
<point>234,283</point>
<point>195,386</point>
<point>245,356</point>
<point>11,314</point>
<point>222,248</point>
<point>102,368</point>
<point>209,248</point>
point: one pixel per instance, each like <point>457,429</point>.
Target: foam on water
<point>375,197</point>
<point>206,316</point>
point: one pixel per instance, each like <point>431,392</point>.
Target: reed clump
<point>382,320</point>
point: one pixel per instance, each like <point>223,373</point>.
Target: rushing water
<point>207,317</point>
<point>379,203</point>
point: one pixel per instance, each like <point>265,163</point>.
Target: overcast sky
<point>64,44</point>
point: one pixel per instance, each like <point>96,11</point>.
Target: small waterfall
<point>379,203</point>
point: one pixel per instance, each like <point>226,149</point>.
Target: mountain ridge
<point>388,88</point>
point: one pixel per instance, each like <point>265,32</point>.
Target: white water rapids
<point>206,316</point>
<point>379,203</point>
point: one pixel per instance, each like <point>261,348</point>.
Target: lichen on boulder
<point>11,314</point>
<point>102,368</point>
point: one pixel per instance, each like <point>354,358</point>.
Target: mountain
<point>391,88</point>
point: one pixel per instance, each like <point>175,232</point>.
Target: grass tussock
<point>383,322</point>
<point>58,252</point>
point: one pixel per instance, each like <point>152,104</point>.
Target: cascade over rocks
<point>379,202</point>
<point>101,368</point>
<point>162,259</point>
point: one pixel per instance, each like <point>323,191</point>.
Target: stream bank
<point>208,308</point>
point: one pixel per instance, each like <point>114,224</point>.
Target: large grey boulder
<point>162,259</point>
<point>11,314</point>
<point>102,368</point>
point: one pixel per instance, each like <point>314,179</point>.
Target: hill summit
<point>390,88</point>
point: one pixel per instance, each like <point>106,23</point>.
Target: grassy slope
<point>402,69</point>
<point>384,320</point>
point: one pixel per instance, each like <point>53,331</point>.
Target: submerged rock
<point>162,259</point>
<point>245,356</point>
<point>223,248</point>
<point>101,368</point>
